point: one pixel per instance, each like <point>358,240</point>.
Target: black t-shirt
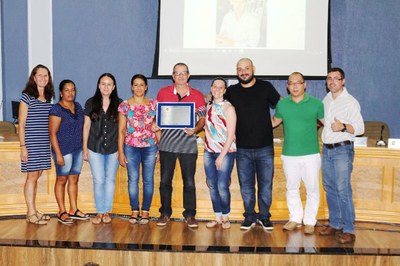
<point>253,128</point>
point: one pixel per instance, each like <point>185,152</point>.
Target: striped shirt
<point>216,128</point>
<point>176,140</point>
<point>346,109</point>
<point>37,138</point>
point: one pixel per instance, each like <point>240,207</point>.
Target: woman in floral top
<point>137,144</point>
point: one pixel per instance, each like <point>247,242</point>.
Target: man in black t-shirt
<point>253,99</point>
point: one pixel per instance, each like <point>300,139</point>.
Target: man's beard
<point>247,81</point>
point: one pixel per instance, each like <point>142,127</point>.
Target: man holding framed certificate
<point>179,107</point>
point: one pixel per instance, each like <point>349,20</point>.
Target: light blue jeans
<point>337,165</point>
<point>218,181</point>
<point>147,157</point>
<point>252,164</point>
<point>104,169</point>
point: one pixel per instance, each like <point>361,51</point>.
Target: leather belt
<point>335,145</point>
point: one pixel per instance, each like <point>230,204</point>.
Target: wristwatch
<point>344,128</point>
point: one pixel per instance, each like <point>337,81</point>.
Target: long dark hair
<point>97,101</point>
<point>31,86</point>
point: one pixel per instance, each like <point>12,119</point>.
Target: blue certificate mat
<point>175,115</point>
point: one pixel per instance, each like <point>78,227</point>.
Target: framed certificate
<point>175,115</point>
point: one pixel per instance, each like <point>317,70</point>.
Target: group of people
<point>238,126</point>
<point>75,134</point>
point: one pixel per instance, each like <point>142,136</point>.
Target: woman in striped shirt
<point>34,138</point>
<point>219,154</point>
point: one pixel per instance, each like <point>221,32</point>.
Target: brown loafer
<point>191,222</point>
<point>344,238</point>
<point>329,231</point>
<point>163,220</point>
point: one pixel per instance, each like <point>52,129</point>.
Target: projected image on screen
<point>241,24</point>
<point>280,36</point>
<point>245,23</point>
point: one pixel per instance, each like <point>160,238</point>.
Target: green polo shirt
<point>300,124</point>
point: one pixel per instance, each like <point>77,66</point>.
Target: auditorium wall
<point>95,36</point>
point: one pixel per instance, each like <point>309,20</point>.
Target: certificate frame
<point>171,109</point>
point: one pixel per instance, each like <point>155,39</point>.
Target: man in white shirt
<point>343,121</point>
<point>239,28</point>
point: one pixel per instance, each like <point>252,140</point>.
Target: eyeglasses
<point>335,79</point>
<point>182,73</point>
<point>290,83</point>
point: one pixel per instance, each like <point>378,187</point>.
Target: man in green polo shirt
<point>301,160</point>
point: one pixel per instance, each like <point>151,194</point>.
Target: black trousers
<point>187,162</point>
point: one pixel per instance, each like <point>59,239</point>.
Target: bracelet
<point>22,145</point>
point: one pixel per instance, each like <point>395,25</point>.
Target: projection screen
<point>280,36</point>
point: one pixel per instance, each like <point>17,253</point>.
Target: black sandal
<point>75,215</point>
<point>133,219</point>
<point>67,220</point>
<point>145,220</point>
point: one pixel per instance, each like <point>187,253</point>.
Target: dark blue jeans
<point>252,164</point>
<point>219,180</point>
<point>337,166</point>
<point>145,156</point>
<point>187,162</point>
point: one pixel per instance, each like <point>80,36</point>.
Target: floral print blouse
<point>139,119</point>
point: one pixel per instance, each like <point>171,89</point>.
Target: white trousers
<point>296,169</point>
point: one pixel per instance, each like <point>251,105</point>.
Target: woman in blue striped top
<point>34,138</point>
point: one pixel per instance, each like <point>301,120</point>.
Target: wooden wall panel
<point>375,180</point>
